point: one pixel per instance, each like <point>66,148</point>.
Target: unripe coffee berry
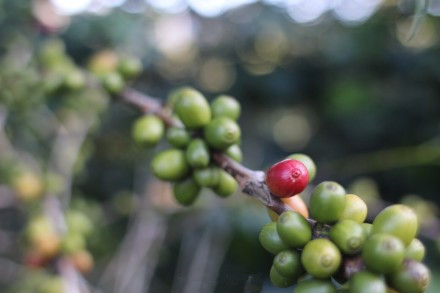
<point>366,282</point>
<point>398,220</point>
<point>411,277</point>
<point>222,132</point>
<point>415,250</point>
<point>383,253</point>
<point>287,178</point>
<point>186,191</point>
<point>225,106</point>
<point>315,285</point>
<point>321,258</point>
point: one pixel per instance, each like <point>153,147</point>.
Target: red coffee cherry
<point>287,178</point>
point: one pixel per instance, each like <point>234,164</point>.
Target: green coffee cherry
<point>129,67</point>
<point>321,258</point>
<point>73,242</point>
<point>415,250</point>
<point>355,209</point>
<point>366,282</point>
<point>225,106</point>
<point>288,264</point>
<point>51,285</point>
<point>234,152</point>
<point>270,239</point>
<point>52,52</point>
<point>227,184</point>
<point>222,132</point>
<point>175,94</point>
<point>368,228</point>
<point>383,253</point>
<point>207,177</point>
<point>411,277</point>
<point>348,235</point>
<point>197,153</point>
<point>148,130</point>
<point>327,202</point>
<point>114,83</point>
<point>78,222</point>
<point>315,286</point>
<point>192,108</point>
<point>294,229</point>
<point>279,280</point>
<point>307,161</point>
<point>170,165</point>
<point>398,220</point>
<point>186,191</point>
<point>178,137</point>
<point>75,80</point>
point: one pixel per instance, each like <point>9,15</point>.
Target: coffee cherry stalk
<point>332,250</point>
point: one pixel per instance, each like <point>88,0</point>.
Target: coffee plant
<point>324,237</point>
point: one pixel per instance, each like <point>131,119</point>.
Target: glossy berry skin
<point>270,239</point>
<point>178,137</point>
<point>367,282</point>
<point>315,286</point>
<point>227,184</point>
<point>368,228</point>
<point>288,264</point>
<point>321,258</point>
<point>383,253</point>
<point>348,235</point>
<point>234,152</point>
<point>415,250</point>
<point>186,191</point>
<point>170,165</point>
<point>148,130</point>
<point>197,153</point>
<point>79,222</point>
<point>225,106</point>
<point>355,209</point>
<point>294,229</point>
<point>207,177</point>
<point>279,280</point>
<point>412,277</point>
<point>287,178</point>
<point>398,220</point>
<point>129,67</point>
<point>73,242</point>
<point>192,108</point>
<point>222,132</point>
<point>327,202</point>
<point>114,83</point>
<point>75,80</point>
<point>307,161</point>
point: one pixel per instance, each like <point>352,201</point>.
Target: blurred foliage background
<point>354,84</point>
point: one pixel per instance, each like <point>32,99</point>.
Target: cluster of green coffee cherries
<point>45,243</point>
<point>387,254</point>
<point>62,75</point>
<point>204,128</point>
